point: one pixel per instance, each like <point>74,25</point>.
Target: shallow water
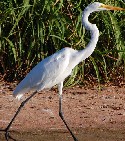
<point>82,135</point>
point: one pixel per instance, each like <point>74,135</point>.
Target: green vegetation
<point>31,30</point>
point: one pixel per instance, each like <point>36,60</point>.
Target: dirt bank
<point>83,108</point>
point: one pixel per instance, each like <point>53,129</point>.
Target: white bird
<point>54,69</point>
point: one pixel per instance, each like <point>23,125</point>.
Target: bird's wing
<point>45,74</point>
<point>50,69</point>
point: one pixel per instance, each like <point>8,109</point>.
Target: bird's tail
<point>19,96</point>
<point>21,89</point>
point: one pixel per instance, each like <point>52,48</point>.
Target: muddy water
<point>82,135</point>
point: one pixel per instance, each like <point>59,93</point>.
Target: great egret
<point>55,68</point>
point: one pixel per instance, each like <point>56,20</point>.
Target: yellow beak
<point>111,7</point>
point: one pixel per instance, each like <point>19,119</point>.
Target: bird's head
<point>96,6</point>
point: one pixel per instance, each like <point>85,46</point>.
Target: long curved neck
<point>85,53</point>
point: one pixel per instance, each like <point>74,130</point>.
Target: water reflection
<point>82,135</point>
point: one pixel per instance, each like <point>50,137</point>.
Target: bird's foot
<point>6,133</point>
<point>7,136</point>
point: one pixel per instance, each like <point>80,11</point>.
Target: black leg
<point>62,117</point>
<point>6,130</point>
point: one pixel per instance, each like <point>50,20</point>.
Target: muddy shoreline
<point>86,110</point>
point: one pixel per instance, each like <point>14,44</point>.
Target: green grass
<point>32,30</point>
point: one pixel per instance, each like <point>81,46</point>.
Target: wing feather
<point>45,73</point>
